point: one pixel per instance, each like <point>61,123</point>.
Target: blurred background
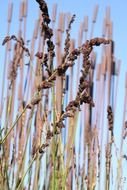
<point>94,18</point>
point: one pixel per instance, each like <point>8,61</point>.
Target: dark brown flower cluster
<point>61,69</point>
<point>47,31</point>
<point>86,49</point>
<point>80,99</point>
<point>44,57</point>
<point>74,54</point>
<point>70,110</point>
<point>110,118</point>
<point>67,40</point>
<point>67,61</point>
<point>34,102</point>
<point>43,147</point>
<point>20,41</point>
<point>86,98</point>
<point>45,85</point>
<point>44,10</point>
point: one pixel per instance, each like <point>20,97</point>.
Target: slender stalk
<point>12,127</point>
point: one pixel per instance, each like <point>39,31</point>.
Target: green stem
<point>12,127</point>
<point>54,141</point>
<point>29,167</point>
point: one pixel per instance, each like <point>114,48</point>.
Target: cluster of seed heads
<point>20,41</point>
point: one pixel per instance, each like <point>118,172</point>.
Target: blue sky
<point>81,8</point>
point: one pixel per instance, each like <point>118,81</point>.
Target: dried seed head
<point>36,101</point>
<point>6,39</point>
<point>110,117</point>
<point>45,85</point>
<point>49,135</point>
